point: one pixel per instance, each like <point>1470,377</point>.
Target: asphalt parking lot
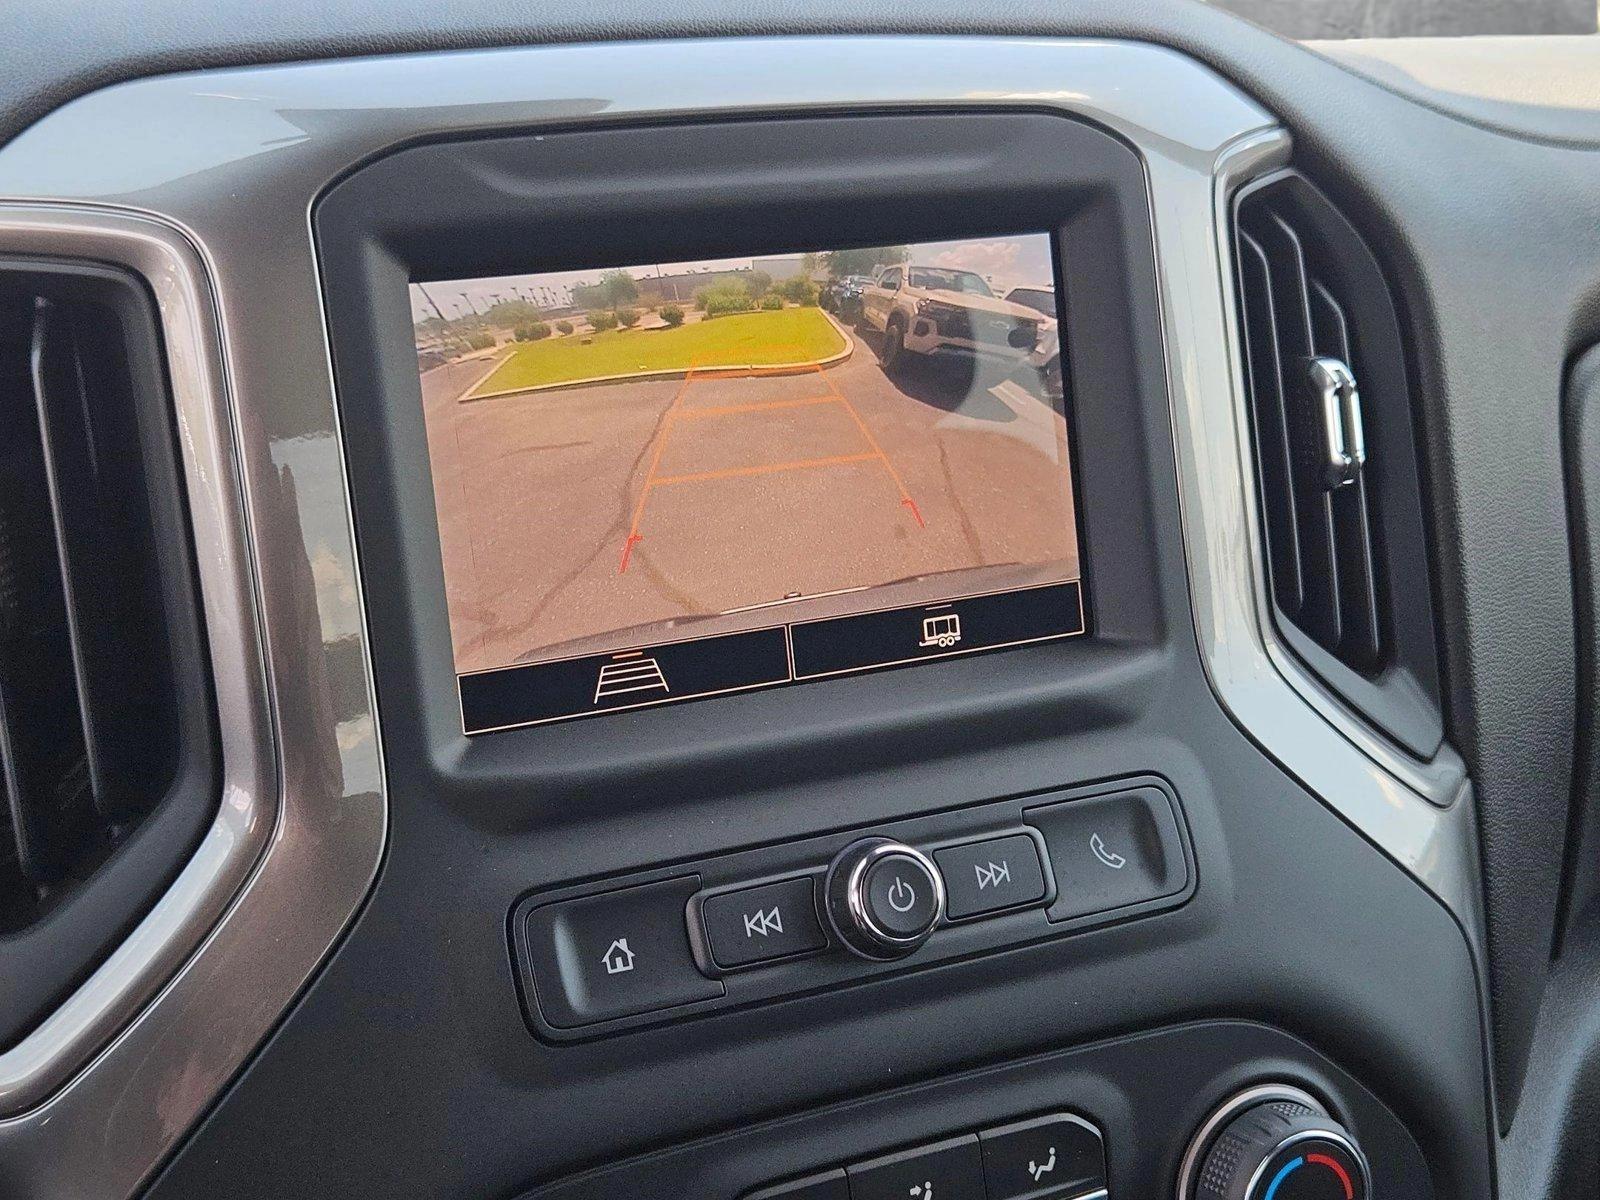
<point>571,513</point>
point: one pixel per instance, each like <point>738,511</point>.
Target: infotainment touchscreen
<point>663,482</point>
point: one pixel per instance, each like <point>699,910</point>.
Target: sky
<point>1005,261</point>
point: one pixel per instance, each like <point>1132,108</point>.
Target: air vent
<point>1336,459</point>
<point>107,750</point>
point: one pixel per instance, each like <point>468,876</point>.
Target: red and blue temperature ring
<point>1312,1160</point>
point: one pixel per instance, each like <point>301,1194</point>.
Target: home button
<point>601,957</point>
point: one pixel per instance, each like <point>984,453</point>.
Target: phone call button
<point>1111,852</point>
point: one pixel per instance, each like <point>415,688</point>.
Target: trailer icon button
<point>942,630</point>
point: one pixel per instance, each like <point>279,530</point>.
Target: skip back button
<point>759,924</point>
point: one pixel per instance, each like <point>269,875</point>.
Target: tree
<point>840,263</point>
<point>759,283</point>
<point>508,314</point>
<point>618,288</point>
<point>588,295</point>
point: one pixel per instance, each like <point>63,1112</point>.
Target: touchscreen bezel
<point>470,209</point>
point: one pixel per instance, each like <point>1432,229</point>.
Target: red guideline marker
<point>912,505</point>
<point>627,551</point>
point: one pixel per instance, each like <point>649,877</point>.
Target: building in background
<point>1416,18</point>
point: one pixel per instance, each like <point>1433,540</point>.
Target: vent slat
<point>97,546</point>
<point>1274,458</point>
<point>1319,611</point>
<point>71,479</point>
<point>42,757</point>
<point>1361,638</point>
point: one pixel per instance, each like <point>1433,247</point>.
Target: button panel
<point>1054,1157</point>
<point>748,927</point>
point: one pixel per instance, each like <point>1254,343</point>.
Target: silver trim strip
<point>240,159</point>
<point>41,1062</point>
<point>855,893</point>
<point>1189,1169</point>
<point>213,965</point>
<point>1318,1135</point>
<point>1419,813</point>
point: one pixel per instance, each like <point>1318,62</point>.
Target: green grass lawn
<point>758,339</point>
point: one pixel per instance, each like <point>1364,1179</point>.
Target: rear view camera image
<point>680,479</point>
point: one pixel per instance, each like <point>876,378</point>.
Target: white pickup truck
<point>938,311</point>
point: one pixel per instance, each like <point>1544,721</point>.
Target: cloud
<point>986,258</point>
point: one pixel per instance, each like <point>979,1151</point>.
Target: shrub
<point>725,298</point>
<point>480,341</point>
<point>772,303</point>
<point>629,317</point>
<point>601,321</point>
<point>532,332</point>
<point>672,315</point>
<point>800,290</point>
<point>563,326</point>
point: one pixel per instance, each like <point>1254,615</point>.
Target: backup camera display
<point>661,482</point>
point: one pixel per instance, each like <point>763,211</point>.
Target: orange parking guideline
<point>833,460</point>
<point>905,496</point>
<point>675,410</point>
<point>644,493</point>
<point>725,410</point>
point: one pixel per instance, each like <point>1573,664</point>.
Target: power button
<point>884,898</point>
<point>900,895</point>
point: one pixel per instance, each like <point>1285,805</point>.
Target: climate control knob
<point>883,898</point>
<point>1274,1143</point>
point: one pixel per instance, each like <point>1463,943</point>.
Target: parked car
<point>843,295</point>
<point>1046,356</point>
<point>933,311</point>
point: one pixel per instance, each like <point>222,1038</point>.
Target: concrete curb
<point>496,359</point>
<point>794,368</point>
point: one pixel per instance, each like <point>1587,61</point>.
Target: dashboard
<point>797,606</point>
